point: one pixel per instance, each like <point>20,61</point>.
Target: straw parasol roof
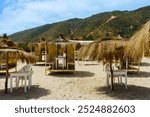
<point>42,44</point>
<point>139,43</point>
<point>108,49</point>
<point>61,39</point>
<point>30,46</point>
<point>100,49</point>
<point>77,45</point>
<point>7,43</point>
<point>8,54</point>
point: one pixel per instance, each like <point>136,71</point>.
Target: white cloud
<point>18,15</point>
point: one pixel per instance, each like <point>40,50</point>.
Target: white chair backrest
<point>107,67</point>
<point>26,68</point>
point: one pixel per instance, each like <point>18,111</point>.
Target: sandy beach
<point>88,83</point>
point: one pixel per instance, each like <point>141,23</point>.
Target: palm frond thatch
<point>106,48</point>
<point>139,43</point>
<point>8,55</point>
<point>5,43</point>
<point>30,46</point>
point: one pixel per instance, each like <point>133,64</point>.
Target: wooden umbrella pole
<point>111,70</point>
<point>6,82</point>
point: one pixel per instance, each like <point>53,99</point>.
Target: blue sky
<point>18,15</point>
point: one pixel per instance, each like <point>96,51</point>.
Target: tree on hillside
<point>5,36</point>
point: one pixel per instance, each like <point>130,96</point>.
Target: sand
<point>88,83</point>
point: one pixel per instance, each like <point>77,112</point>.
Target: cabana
<point>38,49</point>
<point>60,56</point>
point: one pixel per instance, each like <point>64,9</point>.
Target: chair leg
<point>17,82</point>
<point>29,82</point>
<point>25,85</point>
<point>125,81</point>
<point>118,79</point>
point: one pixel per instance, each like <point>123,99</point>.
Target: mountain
<point>115,23</point>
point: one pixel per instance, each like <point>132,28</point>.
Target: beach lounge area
<point>99,63</point>
<point>88,82</point>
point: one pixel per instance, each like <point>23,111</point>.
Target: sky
<point>19,15</point>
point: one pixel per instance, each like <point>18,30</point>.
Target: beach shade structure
<point>40,49</point>
<point>7,43</point>
<point>61,39</point>
<point>42,44</point>
<point>9,54</point>
<point>77,45</point>
<point>31,46</point>
<point>107,49</point>
<point>87,51</point>
<point>138,43</point>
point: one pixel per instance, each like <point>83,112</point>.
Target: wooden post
<point>111,70</point>
<point>45,57</point>
<point>126,63</point>
<point>139,62</point>
<point>6,82</point>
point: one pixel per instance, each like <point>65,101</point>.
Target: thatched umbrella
<point>108,49</point>
<point>7,43</point>
<point>87,52</point>
<point>30,46</point>
<point>77,45</point>
<point>10,54</point>
<point>138,43</point>
<point>61,39</point>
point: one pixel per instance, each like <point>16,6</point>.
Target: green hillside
<point>123,23</point>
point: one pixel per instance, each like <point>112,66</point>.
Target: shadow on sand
<point>145,64</point>
<point>40,64</point>
<point>135,74</point>
<point>132,93</point>
<point>2,75</point>
<point>18,94</point>
<point>78,74</point>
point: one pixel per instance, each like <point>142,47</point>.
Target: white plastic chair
<point>26,68</point>
<point>23,74</point>
<point>116,74</point>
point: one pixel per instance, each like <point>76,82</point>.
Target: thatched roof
<point>15,54</point>
<point>30,46</point>
<point>8,55</point>
<point>61,40</point>
<point>42,44</point>
<point>106,48</point>
<point>138,43</point>
<point>7,43</point>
